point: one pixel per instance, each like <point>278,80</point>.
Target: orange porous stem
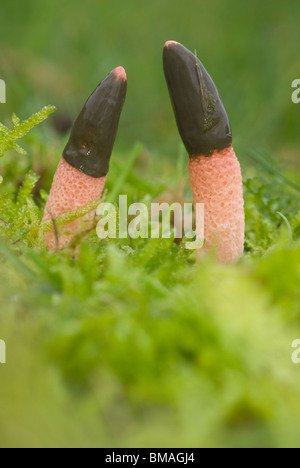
<point>71,189</point>
<point>216,181</point>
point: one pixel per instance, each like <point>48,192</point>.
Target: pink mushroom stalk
<point>81,173</point>
<point>215,173</point>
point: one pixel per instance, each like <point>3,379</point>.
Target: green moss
<point>131,339</point>
<point>20,128</point>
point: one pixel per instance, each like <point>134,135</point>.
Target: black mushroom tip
<point>201,118</point>
<point>94,131</point>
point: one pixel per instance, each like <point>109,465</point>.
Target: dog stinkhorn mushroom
<point>82,171</point>
<point>215,172</point>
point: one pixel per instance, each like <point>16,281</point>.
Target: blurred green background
<point>132,344</point>
<point>56,52</point>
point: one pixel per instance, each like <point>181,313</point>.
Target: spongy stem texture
<point>216,181</point>
<point>71,189</point>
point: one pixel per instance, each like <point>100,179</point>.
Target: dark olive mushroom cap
<point>94,131</point>
<point>201,118</point>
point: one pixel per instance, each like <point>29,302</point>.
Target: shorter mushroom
<point>215,172</point>
<point>81,173</point>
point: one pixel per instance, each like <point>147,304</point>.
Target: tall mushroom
<point>215,172</point>
<point>81,173</point>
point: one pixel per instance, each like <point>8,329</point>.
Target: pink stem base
<point>71,189</point>
<point>216,181</point>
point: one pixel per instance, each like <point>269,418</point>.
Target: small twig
<point>55,229</point>
<point>16,242</point>
<point>7,224</point>
<point>82,234</point>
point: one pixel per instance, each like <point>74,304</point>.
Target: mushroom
<point>215,172</point>
<point>81,173</point>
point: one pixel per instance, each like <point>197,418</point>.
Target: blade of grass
<point>111,198</point>
<point>290,231</point>
<point>272,169</point>
<point>14,260</point>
